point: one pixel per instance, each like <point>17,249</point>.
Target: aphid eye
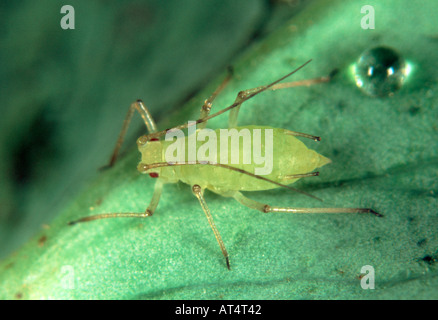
<point>154,139</point>
<point>153,175</point>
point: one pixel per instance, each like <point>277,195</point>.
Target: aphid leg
<point>304,135</point>
<point>266,208</point>
<point>149,211</point>
<point>242,96</point>
<point>147,118</point>
<point>198,192</point>
<point>206,107</point>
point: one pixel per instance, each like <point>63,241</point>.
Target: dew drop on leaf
<point>380,71</point>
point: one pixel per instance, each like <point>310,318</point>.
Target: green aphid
<point>205,161</point>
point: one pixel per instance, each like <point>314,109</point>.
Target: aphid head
<point>151,152</point>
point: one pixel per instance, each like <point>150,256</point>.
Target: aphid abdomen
<point>264,151</point>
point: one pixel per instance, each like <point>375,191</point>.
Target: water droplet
<point>380,71</point>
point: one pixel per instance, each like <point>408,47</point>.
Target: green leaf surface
<point>384,153</point>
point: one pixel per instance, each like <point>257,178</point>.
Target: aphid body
<point>291,158</point>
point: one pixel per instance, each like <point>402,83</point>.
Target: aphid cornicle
<point>294,161</point>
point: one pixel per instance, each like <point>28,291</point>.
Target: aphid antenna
<point>237,103</point>
<point>145,167</point>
